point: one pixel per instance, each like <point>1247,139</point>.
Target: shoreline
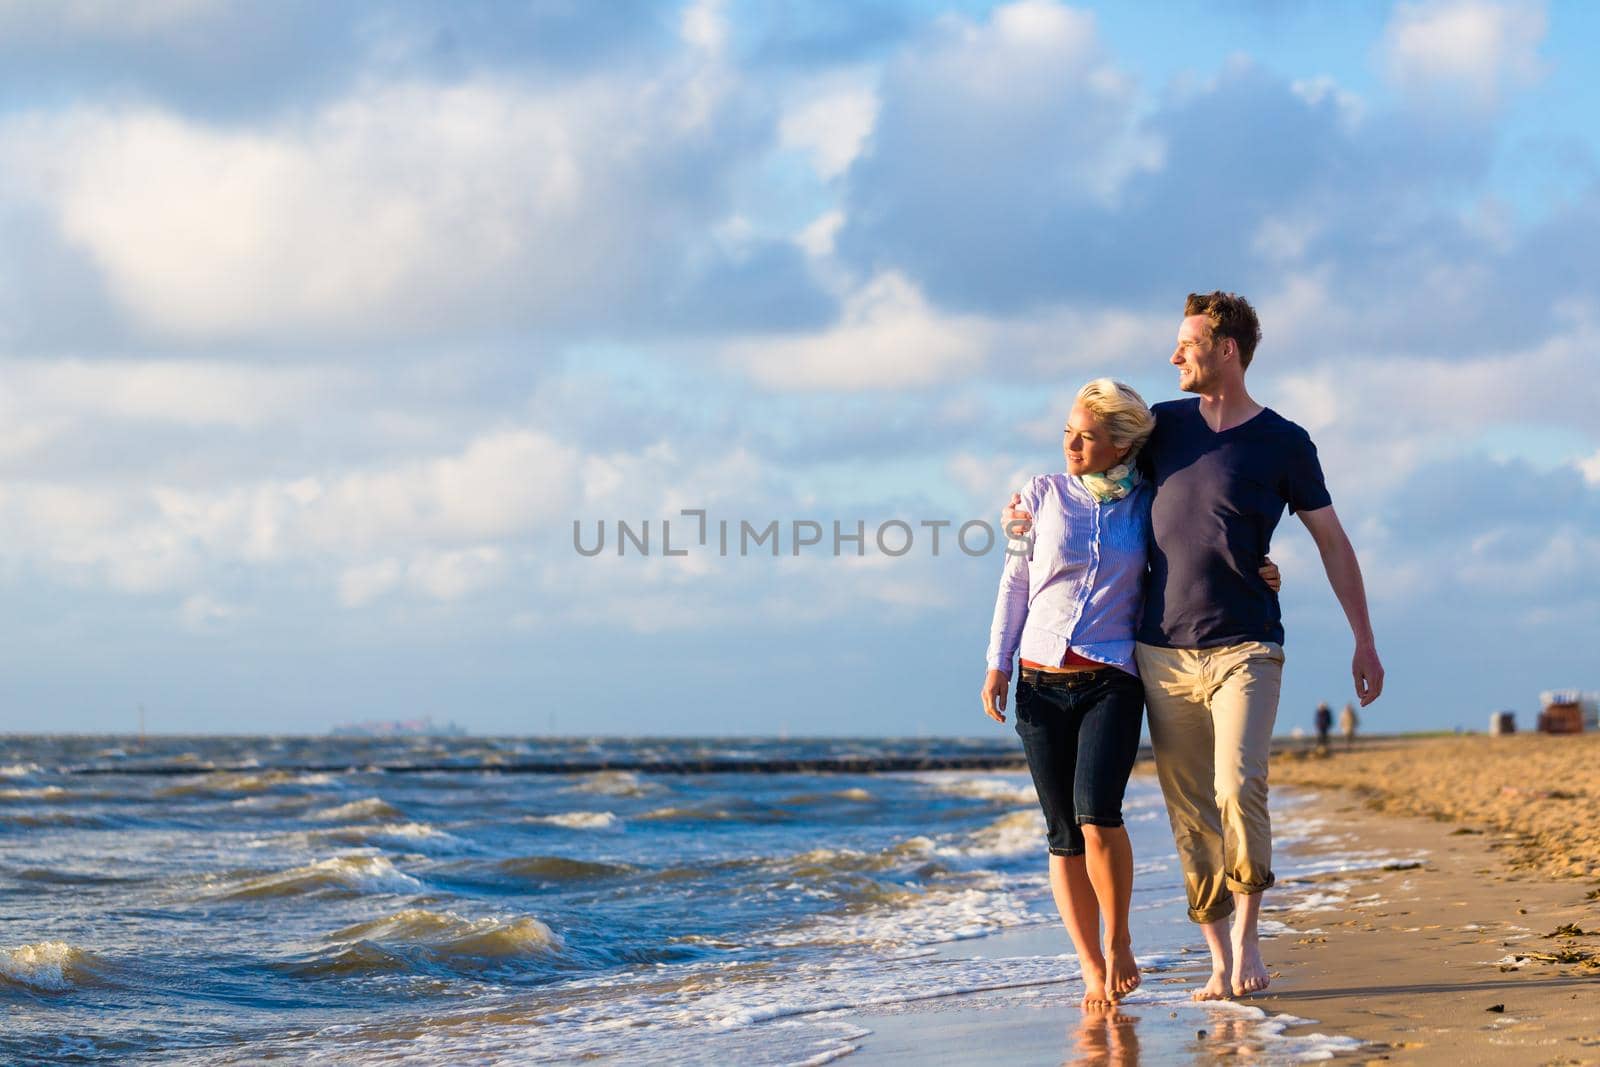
<point>1490,950</point>
<point>1470,946</point>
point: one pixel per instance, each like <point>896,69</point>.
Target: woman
<point>1069,603</point>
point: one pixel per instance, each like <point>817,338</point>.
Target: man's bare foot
<point>1249,972</point>
<point>1095,997</point>
<point>1221,985</point>
<point>1122,977</point>
<point>1219,988</point>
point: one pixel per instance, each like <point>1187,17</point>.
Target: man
<point>1348,721</point>
<point>1210,649</point>
<point>1323,720</point>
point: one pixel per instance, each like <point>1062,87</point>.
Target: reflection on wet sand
<point>1227,1036</point>
<point>1107,1036</point>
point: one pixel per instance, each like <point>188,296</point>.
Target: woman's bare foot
<point>1219,988</point>
<point>1249,972</point>
<point>1095,997</point>
<point>1122,977</point>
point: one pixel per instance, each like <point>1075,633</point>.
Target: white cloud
<point>365,582</point>
<point>1465,50</point>
<point>987,478</point>
<point>107,18</point>
<point>406,209</point>
<point>440,517</point>
<point>447,576</point>
<point>453,575</point>
<point>201,612</point>
<point>1024,104</point>
<point>1352,109</point>
<point>704,25</point>
<point>889,337</point>
<point>820,233</point>
<point>1591,469</point>
<point>1064,341</point>
<point>830,123</point>
<point>183,392</point>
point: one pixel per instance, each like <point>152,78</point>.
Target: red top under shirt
<point>1072,659</point>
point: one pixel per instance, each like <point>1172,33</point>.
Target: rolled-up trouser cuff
<point>1054,851</point>
<point>1220,910</point>
<point>1095,820</point>
<point>1250,888</point>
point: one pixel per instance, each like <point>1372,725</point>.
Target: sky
<point>322,325</point>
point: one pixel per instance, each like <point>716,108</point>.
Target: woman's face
<point>1087,443</point>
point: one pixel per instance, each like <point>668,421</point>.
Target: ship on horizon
<point>423,727</point>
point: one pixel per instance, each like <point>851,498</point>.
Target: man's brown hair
<point>1230,315</point>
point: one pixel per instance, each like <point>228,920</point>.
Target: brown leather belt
<point>1070,676</point>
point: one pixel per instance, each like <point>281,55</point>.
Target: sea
<point>231,900</point>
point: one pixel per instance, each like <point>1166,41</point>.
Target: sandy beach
<point>1478,941</point>
<point>1490,951</point>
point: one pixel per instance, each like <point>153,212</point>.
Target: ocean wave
<point>418,940</point>
<point>411,836</point>
<point>676,813</point>
<point>823,862</point>
<point>351,875</point>
<point>50,876</point>
<point>894,917</point>
<point>63,818</point>
<point>365,808</point>
<point>242,782</point>
<point>448,934</point>
<point>998,790</point>
<point>1012,834</point>
<point>614,784</point>
<point>580,820</point>
<point>49,966</point>
<point>558,869</point>
<point>19,770</point>
<point>856,795</point>
<point>814,868</point>
<point>730,809</point>
<point>52,793</point>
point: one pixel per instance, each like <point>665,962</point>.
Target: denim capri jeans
<point>1080,730</point>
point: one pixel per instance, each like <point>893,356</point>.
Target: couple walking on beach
<point>1144,581</point>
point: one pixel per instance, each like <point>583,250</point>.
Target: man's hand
<point>1344,574</point>
<point>1269,574</point>
<point>1368,674</point>
<point>994,695</point>
<point>1014,523</point>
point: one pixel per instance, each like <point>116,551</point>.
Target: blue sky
<point>320,325</point>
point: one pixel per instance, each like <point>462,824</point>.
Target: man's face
<point>1199,355</point>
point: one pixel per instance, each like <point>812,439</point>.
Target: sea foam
<point>346,874</point>
<point>580,820</point>
<point>49,966</point>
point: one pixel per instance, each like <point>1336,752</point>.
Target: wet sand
<point>1470,945</point>
<point>1475,956</point>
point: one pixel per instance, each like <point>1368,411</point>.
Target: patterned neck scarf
<point>1111,485</point>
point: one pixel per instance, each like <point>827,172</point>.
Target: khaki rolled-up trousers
<point>1211,717</point>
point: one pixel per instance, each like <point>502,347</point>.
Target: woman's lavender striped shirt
<point>1081,586</point>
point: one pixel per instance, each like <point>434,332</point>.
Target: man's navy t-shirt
<point>1218,498</point>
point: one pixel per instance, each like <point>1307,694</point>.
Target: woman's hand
<point>994,695</point>
<point>1269,574</point>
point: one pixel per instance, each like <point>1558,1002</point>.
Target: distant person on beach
<point>1348,721</point>
<point>1210,645</point>
<point>1069,602</point>
<point>1324,723</point>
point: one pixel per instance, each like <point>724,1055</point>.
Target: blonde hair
<point>1122,409</point>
